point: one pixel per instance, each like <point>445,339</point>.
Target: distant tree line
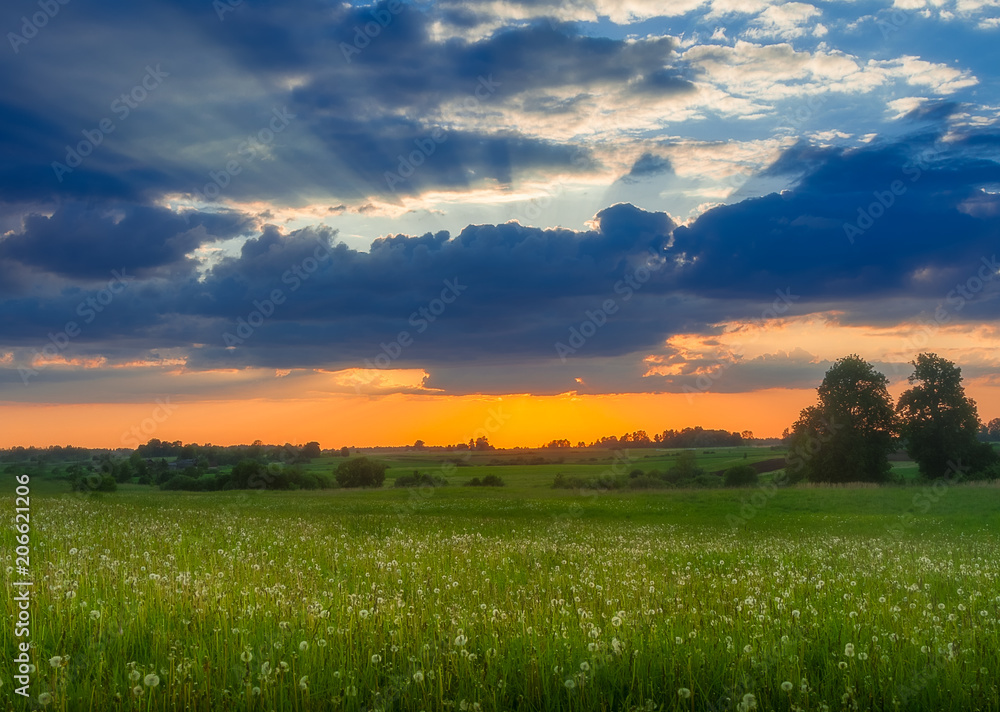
<point>696,437</point>
<point>55,453</point>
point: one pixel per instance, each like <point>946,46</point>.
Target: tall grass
<point>304,601</point>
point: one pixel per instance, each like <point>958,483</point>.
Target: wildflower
<point>265,669</point>
<point>684,693</point>
<point>151,680</point>
<point>376,659</point>
<point>460,640</point>
<point>304,646</point>
<point>585,666</point>
<point>55,661</point>
<point>749,702</point>
<point>44,698</point>
<point>418,676</point>
<point>137,691</point>
<point>849,650</point>
<point>570,684</point>
<point>363,613</point>
<point>351,691</point>
<point>246,656</point>
<point>255,691</point>
<point>616,621</point>
<point>95,615</point>
<point>787,686</point>
<point>304,683</point>
<point>134,676</point>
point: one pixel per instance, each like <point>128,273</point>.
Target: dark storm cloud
<point>887,220</point>
<point>521,290</point>
<point>88,242</point>
<point>356,79</point>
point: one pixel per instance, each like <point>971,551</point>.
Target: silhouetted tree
<point>360,472</point>
<point>848,435</point>
<point>939,423</point>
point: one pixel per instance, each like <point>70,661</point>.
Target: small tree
<point>848,435</point>
<point>311,450</point>
<point>939,423</point>
<point>686,467</point>
<point>740,476</point>
<point>361,472</point>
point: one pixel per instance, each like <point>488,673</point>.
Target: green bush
<point>740,476</point>
<point>420,479</point>
<point>361,472</point>
<point>488,481</point>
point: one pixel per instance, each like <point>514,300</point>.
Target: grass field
<point>516,598</point>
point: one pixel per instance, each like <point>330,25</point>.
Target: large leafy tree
<point>939,423</point>
<point>848,435</point>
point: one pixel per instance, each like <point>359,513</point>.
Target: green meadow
<point>520,597</point>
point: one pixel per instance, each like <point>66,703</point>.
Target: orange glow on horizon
<point>365,421</point>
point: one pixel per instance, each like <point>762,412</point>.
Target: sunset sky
<point>368,224</point>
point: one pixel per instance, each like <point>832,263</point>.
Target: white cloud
<point>786,21</point>
<point>898,108</point>
<point>939,77</point>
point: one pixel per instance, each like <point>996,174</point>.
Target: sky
<point>367,224</point>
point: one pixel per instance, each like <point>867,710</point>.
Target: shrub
<point>360,472</point>
<point>740,476</point>
<point>647,482</point>
<point>420,479</point>
<point>488,481</point>
<point>707,481</point>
